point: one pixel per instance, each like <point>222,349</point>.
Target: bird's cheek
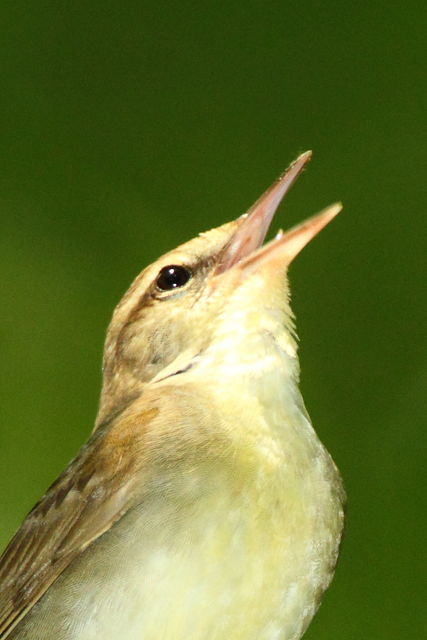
<point>146,350</point>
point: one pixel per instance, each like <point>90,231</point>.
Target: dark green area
<point>127,128</point>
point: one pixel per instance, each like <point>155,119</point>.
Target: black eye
<point>172,277</point>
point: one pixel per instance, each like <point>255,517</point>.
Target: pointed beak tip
<point>292,172</point>
<point>315,224</point>
<point>334,209</point>
<point>306,156</point>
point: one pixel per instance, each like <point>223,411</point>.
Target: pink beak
<point>244,247</point>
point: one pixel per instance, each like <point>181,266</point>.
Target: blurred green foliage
<point>129,127</point>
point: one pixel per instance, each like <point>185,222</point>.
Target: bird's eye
<point>172,277</point>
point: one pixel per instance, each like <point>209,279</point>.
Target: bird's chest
<point>239,548</point>
<point>244,558</point>
<point>238,566</point>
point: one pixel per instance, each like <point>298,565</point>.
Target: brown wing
<point>93,492</point>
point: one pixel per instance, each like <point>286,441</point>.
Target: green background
<point>127,128</point>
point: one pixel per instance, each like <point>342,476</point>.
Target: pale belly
<point>248,563</point>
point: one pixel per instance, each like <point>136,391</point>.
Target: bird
<point>203,506</point>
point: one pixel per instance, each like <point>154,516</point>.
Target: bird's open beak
<point>245,245</point>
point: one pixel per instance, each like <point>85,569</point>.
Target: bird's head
<point>214,288</point>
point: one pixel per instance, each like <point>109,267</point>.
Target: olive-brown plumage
<point>203,506</point>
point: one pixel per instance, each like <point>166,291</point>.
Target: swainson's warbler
<point>203,506</point>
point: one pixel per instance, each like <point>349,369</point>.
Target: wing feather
<point>93,493</point>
